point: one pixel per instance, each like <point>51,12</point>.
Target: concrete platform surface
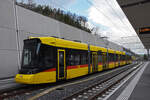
<point>136,88</point>
<point>142,89</point>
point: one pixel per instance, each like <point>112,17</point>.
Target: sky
<point>106,15</point>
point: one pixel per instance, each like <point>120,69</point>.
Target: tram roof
<point>57,42</point>
<point>118,52</point>
<point>111,51</point>
<point>97,48</point>
<point>123,53</point>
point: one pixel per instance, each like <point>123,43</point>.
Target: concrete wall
<point>8,45</point>
<point>32,24</point>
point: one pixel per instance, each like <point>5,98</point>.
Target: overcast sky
<point>105,14</point>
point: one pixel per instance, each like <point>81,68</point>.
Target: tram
<point>50,59</point>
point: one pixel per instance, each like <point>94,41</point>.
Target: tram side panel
<point>100,64</point>
<point>77,63</point>
<point>43,72</point>
<point>111,60</point>
<point>48,56</point>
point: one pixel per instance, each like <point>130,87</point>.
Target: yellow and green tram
<point>50,59</point>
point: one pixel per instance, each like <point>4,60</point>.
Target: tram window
<point>61,58</point>
<point>77,59</point>
<point>110,57</point>
<point>46,56</point>
<point>126,57</point>
<point>113,57</point>
<point>27,57</point>
<point>83,59</point>
<point>99,58</point>
<point>104,57</point>
<point>70,59</point>
<point>120,57</point>
<point>91,58</point>
<point>117,57</point>
<point>129,57</point>
<point>123,58</point>
<point>87,59</point>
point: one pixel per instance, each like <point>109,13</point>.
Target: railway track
<point>100,90</point>
<point>16,91</point>
<point>27,89</point>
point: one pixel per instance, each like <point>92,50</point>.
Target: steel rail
<point>100,92</point>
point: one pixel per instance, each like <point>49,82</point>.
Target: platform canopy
<point>138,13</point>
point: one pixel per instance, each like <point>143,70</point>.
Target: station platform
<point>142,88</point>
<point>136,88</point>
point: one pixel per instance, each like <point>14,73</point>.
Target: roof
<point>137,11</point>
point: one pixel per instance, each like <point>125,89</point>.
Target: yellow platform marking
<point>63,85</point>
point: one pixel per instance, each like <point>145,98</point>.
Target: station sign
<point>144,30</point>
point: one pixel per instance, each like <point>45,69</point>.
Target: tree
<point>66,17</point>
<point>95,30</point>
<point>58,14</point>
<point>84,20</point>
<point>80,19</point>
<point>46,11</point>
<point>30,2</point>
<point>39,9</point>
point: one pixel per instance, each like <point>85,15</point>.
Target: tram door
<point>104,60</point>
<point>115,59</point>
<point>119,60</point>
<point>94,62</point>
<point>61,64</point>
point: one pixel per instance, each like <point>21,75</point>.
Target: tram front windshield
<point>30,53</point>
